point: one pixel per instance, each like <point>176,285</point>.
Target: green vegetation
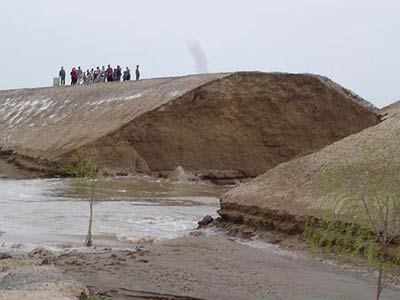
<point>362,211</point>
<point>345,238</point>
<point>83,166</point>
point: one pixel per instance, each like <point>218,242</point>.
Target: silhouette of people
<point>127,74</point>
<point>96,75</point>
<point>137,72</point>
<point>89,78</point>
<point>92,75</point>
<point>103,74</point>
<point>61,74</point>
<point>119,73</point>
<point>109,73</point>
<point>80,75</point>
<point>74,76</point>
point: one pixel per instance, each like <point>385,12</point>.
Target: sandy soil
<point>28,279</point>
<point>8,170</point>
<point>212,268</point>
<point>217,126</point>
<point>298,188</point>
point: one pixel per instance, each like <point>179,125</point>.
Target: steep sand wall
<point>242,125</point>
<point>215,125</point>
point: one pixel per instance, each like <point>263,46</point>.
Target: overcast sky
<point>354,42</point>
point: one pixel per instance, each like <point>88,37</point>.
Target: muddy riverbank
<point>205,267</point>
<point>27,278</point>
<point>147,247</point>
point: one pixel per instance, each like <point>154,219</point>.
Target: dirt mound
<point>391,108</point>
<point>283,197</point>
<point>216,125</point>
<point>356,98</point>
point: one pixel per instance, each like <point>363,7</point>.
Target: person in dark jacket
<point>127,74</point>
<point>119,73</point>
<point>92,75</point>
<point>137,73</point>
<point>109,73</point>
<point>61,74</point>
<point>74,76</point>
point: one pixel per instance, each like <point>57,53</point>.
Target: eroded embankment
<point>215,126</point>
<point>263,218</point>
<point>296,231</point>
<point>317,186</point>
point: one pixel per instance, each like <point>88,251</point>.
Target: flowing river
<point>141,209</point>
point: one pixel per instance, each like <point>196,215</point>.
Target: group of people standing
<point>78,76</point>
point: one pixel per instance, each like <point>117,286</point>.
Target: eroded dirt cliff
<point>216,125</point>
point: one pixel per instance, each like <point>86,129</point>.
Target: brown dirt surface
<point>27,279</point>
<point>9,170</point>
<point>391,108</point>
<point>215,125</point>
<point>284,196</point>
<point>213,268</point>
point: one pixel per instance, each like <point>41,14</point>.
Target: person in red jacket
<point>109,73</point>
<point>74,76</point>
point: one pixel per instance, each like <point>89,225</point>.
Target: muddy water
<point>55,213</point>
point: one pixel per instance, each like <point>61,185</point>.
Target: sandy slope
<point>295,188</point>
<point>216,125</point>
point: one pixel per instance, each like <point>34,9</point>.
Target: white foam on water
<point>37,212</point>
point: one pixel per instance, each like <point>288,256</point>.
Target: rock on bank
<point>216,125</point>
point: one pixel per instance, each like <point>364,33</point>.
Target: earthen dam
<point>216,126</point>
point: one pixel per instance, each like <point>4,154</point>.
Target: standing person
<point>88,76</point>
<point>103,74</point>
<point>74,76</point>
<point>61,74</point>
<point>109,73</point>
<point>127,74</point>
<point>137,72</point>
<point>115,75</point>
<point>119,73</point>
<point>96,75</point>
<point>80,75</point>
<point>92,75</point>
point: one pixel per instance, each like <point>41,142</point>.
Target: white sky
<point>354,42</point>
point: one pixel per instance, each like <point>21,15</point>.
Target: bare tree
<point>84,167</point>
<point>94,176</point>
<point>367,192</point>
